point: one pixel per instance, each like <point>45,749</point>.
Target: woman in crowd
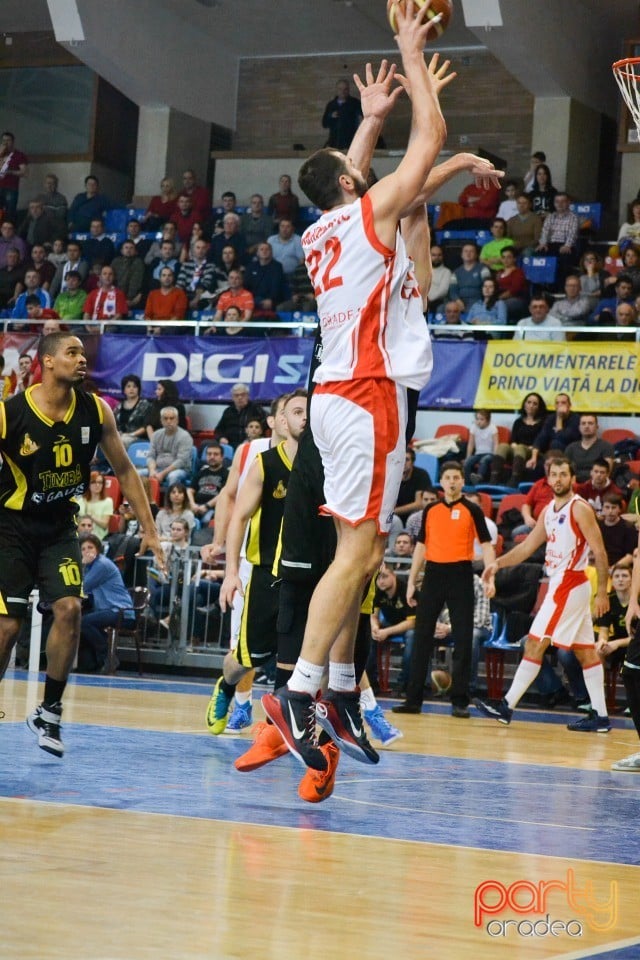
<point>176,507</point>
<point>513,286</point>
<point>97,505</point>
<point>631,267</point>
<point>490,309</point>
<point>132,411</point>
<point>166,396</point>
<point>543,192</point>
<point>629,232</point>
<point>593,278</point>
<point>161,207</point>
<point>197,233</point>
<point>108,596</point>
<point>524,431</point>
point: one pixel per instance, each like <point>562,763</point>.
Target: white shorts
<point>565,614</point>
<point>244,572</point>
<point>359,428</point>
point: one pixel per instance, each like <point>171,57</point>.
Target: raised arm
<point>377,98</point>
<point>394,195</point>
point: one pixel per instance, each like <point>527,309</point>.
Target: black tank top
<point>45,464</point>
<point>264,526</point>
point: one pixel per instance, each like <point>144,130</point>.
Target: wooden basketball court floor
<point>144,841</point>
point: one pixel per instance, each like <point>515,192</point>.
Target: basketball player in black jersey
<point>48,436</point>
<point>260,504</point>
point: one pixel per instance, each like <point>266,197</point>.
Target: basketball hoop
<point>627,74</point>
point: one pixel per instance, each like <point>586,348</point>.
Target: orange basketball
<point>441,680</point>
<point>444,7</point>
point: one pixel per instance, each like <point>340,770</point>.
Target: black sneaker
<point>45,723</point>
<point>495,709</point>
<point>407,707</point>
<point>294,714</point>
<point>338,713</point>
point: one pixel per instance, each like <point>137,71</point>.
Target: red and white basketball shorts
<point>359,429</point>
<point>565,614</point>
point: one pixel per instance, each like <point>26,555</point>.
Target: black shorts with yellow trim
<point>37,553</point>
<point>258,627</point>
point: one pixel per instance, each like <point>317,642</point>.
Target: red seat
<point>504,435</point>
<point>485,502</point>
<point>112,489</point>
<point>156,493</point>
<point>512,501</point>
<point>617,434</point>
<point>449,429</point>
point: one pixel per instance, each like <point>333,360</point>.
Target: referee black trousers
<point>450,584</point>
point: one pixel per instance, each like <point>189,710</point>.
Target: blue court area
<point>535,809</point>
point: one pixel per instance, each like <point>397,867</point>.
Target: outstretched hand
<point>484,172</point>
<point>440,77</point>
<point>377,98</point>
<point>413,26</point>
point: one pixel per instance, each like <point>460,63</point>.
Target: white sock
<point>342,676</point>
<point>306,677</point>
<point>524,676</point>
<point>242,697</point>
<point>594,682</point>
<point>368,699</point>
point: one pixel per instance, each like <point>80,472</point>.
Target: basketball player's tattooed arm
<point>131,485</point>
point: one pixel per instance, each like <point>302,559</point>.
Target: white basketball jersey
<point>567,548</point>
<point>369,303</point>
<point>248,453</point>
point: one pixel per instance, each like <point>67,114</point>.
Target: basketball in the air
<point>441,681</point>
<point>444,7</point>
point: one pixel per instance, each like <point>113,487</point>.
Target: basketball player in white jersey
<point>375,346</point>
<point>240,465</point>
<point>569,526</point>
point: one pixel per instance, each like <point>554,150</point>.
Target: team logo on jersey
<point>37,497</point>
<point>280,491</point>
<point>561,519</point>
<point>28,446</point>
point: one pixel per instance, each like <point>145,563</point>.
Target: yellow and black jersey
<point>46,464</point>
<point>264,527</point>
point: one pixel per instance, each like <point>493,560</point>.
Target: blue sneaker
<point>495,709</point>
<point>592,723</point>
<point>381,729</point>
<point>240,717</point>
<point>217,709</point>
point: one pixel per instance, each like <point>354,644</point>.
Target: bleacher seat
<point>138,453</point>
<point>309,215</point>
<point>134,213</point>
<point>617,435</point>
<point>428,462</point>
<point>589,215</point>
<point>540,269</point>
<point>115,221</point>
<point>478,236</point>
<point>112,489</point>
